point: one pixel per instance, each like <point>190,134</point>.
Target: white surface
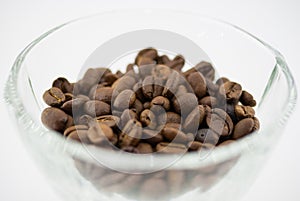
<point>276,22</point>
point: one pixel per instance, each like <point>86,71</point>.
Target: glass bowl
<point>110,39</point>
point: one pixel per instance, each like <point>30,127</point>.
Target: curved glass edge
<point>220,154</point>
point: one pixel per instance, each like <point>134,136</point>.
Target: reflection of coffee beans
<point>153,107</point>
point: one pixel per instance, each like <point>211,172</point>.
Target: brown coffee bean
<point>207,136</point>
<point>147,105</point>
<point>124,100</point>
<point>173,117</point>
<point>103,94</point>
<point>63,84</point>
<point>222,80</point>
<point>131,134</point>
<point>78,133</point>
<point>54,97</point>
<point>161,101</point>
<point>100,133</point>
<point>152,137</point>
<point>209,100</point>
<point>197,82</point>
<point>127,115</point>
<point>110,78</point>
<point>232,91</point>
<point>172,83</point>
<point>145,61</point>
<point>247,99</point>
<point>194,119</point>
<point>185,104</point>
<point>150,53</point>
<point>54,119</point>
<point>137,106</point>
<point>171,148</point>
<point>174,135</point>
<point>161,71</point>
<point>147,87</point>
<point>181,91</point>
<point>177,63</point>
<point>148,119</point>
<point>206,69</point>
<point>243,127</point>
<point>144,148</point>
<point>73,106</point>
<point>109,120</point>
<point>173,125</point>
<point>96,108</point>
<point>211,88</point>
<point>220,122</point>
<point>85,120</point>
<point>126,82</point>
<point>242,112</point>
<point>163,59</point>
<point>137,88</point>
<point>69,96</point>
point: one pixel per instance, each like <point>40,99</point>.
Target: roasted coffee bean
<point>173,117</point>
<point>177,63</point>
<point>137,106</point>
<point>220,122</point>
<point>152,137</point>
<point>127,115</point>
<point>73,106</point>
<point>124,100</point>
<point>148,119</point>
<point>222,80</point>
<point>174,135</point>
<point>110,78</point>
<point>242,112</point>
<point>232,91</point>
<point>144,61</point>
<point>209,100</point>
<point>172,84</point>
<point>103,94</point>
<point>96,108</point>
<point>161,71</point>
<point>100,133</point>
<point>163,59</point>
<point>195,145</point>
<point>206,69</point>
<point>54,119</point>
<point>147,105</point>
<point>147,87</point>
<point>181,91</point>
<point>185,104</point>
<point>109,120</point>
<point>137,88</point>
<point>244,127</point>
<point>131,134</point>
<point>194,119</point>
<point>54,97</point>
<point>247,99</point>
<point>161,101</point>
<point>197,82</point>
<point>144,148</point>
<point>170,148</point>
<point>211,88</point>
<point>207,136</point>
<point>63,84</point>
<point>69,96</point>
<point>150,53</point>
<point>173,125</point>
<point>126,82</point>
<point>85,120</point>
<point>78,133</point>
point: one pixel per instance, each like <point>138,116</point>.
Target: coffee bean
<point>243,127</point>
<point>54,97</point>
<point>152,137</point>
<point>148,119</point>
<point>73,106</point>
<point>222,80</point>
<point>161,71</point>
<point>174,135</point>
<point>162,101</point>
<point>185,104</point>
<point>220,122</point>
<point>232,91</point>
<point>242,112</point>
<point>209,100</point>
<point>171,148</point>
<point>211,88</point>
<point>124,100</point>
<point>247,99</point>
<point>100,133</point>
<point>198,84</point>
<point>177,63</point>
<point>110,78</point>
<point>127,115</point>
<point>131,134</point>
<point>173,125</point>
<point>109,120</point>
<point>164,59</point>
<point>96,108</point>
<point>207,136</point>
<point>103,94</point>
<point>54,119</point>
<point>173,117</point>
<point>126,82</point>
<point>85,120</point>
<point>137,106</point>
<point>195,145</point>
<point>206,69</point>
<point>63,84</point>
<point>172,84</point>
<point>194,119</point>
<point>144,148</point>
<point>150,53</point>
<point>78,133</point>
<point>147,105</point>
<point>181,91</point>
<point>69,96</point>
<point>147,87</point>
<point>137,88</point>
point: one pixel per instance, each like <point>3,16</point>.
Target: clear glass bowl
<point>67,50</point>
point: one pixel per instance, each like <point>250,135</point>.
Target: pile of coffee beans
<point>153,107</point>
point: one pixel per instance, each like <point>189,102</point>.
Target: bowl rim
<point>189,160</point>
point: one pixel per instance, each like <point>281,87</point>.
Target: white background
<point>276,22</point>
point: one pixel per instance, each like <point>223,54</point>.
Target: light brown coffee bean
<point>100,133</point>
<point>174,135</point>
<point>73,106</point>
<point>161,71</point>
<point>144,148</point>
<point>150,53</point>
<point>109,120</point>
<point>161,101</point>
<point>78,133</point>
<point>227,142</point>
<point>131,134</point>
<point>177,63</point>
<point>222,80</point>
<point>245,127</point>
<point>232,91</point>
<point>242,112</point>
<point>198,83</point>
<point>96,108</point>
<point>148,119</point>
<point>54,97</point>
<point>124,100</point>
